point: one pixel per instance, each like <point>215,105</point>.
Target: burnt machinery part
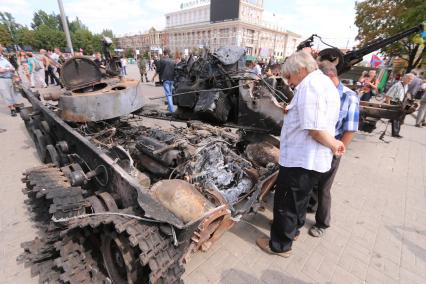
<point>181,198</point>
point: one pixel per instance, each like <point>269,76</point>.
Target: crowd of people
<point>29,69</point>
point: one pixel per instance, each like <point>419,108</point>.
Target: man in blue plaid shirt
<point>346,127</point>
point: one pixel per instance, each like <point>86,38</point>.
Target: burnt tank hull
<point>92,96</point>
<point>114,98</point>
<point>117,188</point>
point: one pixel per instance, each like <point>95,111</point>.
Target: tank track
<point>49,195</point>
<point>148,246</point>
<point>70,253</point>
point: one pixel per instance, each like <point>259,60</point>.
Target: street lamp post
<point>65,25</point>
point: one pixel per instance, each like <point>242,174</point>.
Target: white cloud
<point>18,9</point>
<point>331,19</point>
<point>122,16</point>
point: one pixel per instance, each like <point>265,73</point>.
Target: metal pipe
<point>65,26</point>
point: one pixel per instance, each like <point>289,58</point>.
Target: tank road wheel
<point>40,142</point>
<point>53,155</point>
<point>25,115</point>
<point>96,205</point>
<point>120,259</point>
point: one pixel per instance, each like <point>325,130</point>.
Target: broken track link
<point>49,195</point>
<point>142,247</point>
<point>78,262</point>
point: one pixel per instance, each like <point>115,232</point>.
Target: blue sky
<point>331,19</point>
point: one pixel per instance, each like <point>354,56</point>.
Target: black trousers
<point>294,186</point>
<point>396,127</point>
<point>320,200</point>
<point>146,77</point>
<point>396,123</point>
<point>51,74</point>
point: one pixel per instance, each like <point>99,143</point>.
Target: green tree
<point>42,18</point>
<point>77,25</point>
<point>25,37</point>
<point>48,38</point>
<point>383,18</point>
<point>97,42</point>
<point>5,37</point>
<point>83,38</point>
<point>8,22</point>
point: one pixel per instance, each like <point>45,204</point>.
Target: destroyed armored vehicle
<point>121,202</point>
<point>218,88</point>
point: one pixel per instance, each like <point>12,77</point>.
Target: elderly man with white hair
<point>396,95</point>
<point>306,149</point>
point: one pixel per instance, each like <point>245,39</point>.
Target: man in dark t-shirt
<point>166,70</point>
<point>99,61</point>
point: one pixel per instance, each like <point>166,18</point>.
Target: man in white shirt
<point>255,68</point>
<point>7,92</point>
<point>306,148</point>
<point>395,96</point>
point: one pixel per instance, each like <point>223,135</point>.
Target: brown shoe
<point>263,243</point>
<point>295,237</point>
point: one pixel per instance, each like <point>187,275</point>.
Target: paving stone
<point>407,276</point>
<point>342,276</point>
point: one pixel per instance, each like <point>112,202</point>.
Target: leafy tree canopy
<point>384,18</point>
<point>46,32</point>
<point>7,21</point>
<point>5,37</point>
<point>52,21</point>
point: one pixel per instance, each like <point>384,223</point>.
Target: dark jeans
<point>320,200</point>
<point>294,186</point>
<point>396,127</point>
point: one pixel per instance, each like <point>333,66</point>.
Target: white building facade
<point>191,27</point>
